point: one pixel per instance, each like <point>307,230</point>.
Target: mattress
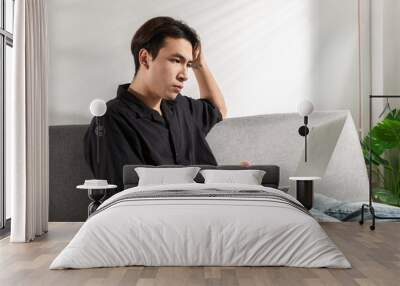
<point>201,225</point>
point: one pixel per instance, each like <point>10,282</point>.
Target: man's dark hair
<point>151,36</point>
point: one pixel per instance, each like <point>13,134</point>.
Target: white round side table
<point>96,195</point>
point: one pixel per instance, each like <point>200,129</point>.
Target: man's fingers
<point>197,52</point>
<point>245,164</point>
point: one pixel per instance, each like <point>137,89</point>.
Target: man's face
<point>167,73</point>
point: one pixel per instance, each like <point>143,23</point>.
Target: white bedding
<point>182,231</point>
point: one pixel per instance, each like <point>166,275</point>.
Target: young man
<point>150,122</point>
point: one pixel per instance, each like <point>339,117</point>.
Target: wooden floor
<point>374,255</point>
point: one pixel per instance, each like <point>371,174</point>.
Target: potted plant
<point>384,142</point>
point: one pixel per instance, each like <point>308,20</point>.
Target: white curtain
<point>385,56</point>
<point>27,123</point>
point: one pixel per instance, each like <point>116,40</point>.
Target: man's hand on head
<point>208,86</point>
<point>198,58</point>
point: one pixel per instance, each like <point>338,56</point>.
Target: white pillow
<point>248,177</point>
<point>162,176</point>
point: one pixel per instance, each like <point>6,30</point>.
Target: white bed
<point>184,230</point>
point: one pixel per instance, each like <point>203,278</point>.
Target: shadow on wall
<point>266,55</point>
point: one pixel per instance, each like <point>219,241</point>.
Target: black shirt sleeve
<point>204,113</point>
<point>115,150</point>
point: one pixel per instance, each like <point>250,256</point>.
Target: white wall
<point>266,55</point>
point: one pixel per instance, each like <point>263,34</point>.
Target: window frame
<point>6,39</point>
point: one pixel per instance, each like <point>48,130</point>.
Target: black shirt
<point>136,134</point>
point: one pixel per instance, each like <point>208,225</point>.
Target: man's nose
<point>183,75</point>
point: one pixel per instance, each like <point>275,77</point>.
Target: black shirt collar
<point>131,98</point>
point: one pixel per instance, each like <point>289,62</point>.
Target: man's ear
<point>144,57</point>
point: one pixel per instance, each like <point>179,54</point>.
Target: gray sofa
<point>263,140</point>
<point>67,169</point>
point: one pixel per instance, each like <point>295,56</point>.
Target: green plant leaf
<point>394,115</point>
<point>376,151</point>
<point>385,196</point>
<point>377,148</point>
<point>387,133</point>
